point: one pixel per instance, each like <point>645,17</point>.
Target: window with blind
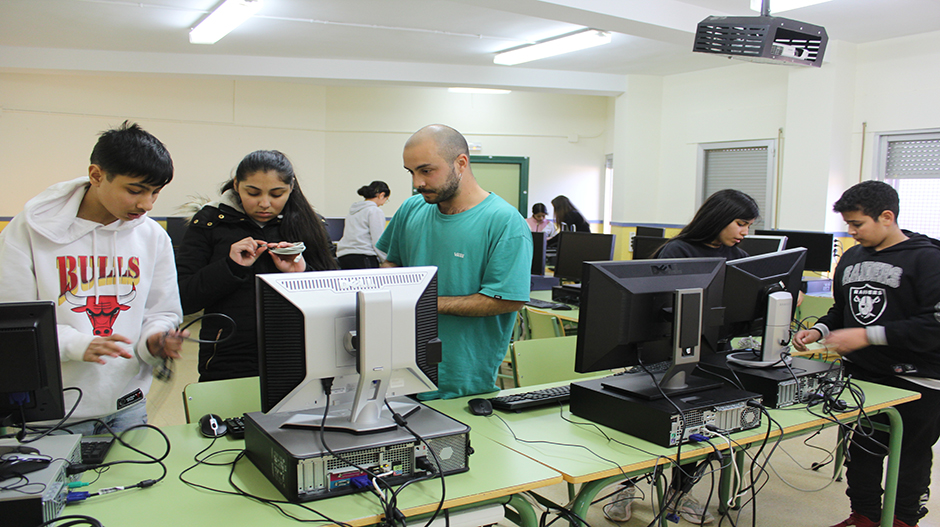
<point>910,162</point>
<point>742,165</point>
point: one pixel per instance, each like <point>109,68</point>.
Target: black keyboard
<point>236,427</point>
<point>521,401</point>
<point>95,449</point>
<point>545,304</point>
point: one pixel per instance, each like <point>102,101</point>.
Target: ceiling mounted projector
<point>766,39</point>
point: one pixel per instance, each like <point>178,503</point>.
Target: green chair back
<point>538,361</point>
<point>227,398</point>
<point>543,326</point>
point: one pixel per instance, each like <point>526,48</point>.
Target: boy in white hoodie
<point>88,245</point>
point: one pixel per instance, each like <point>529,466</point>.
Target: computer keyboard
<point>95,449</point>
<point>521,401</point>
<point>546,304</point>
<point>236,427</point>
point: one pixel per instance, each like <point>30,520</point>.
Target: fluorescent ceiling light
<point>587,38</point>
<point>490,91</point>
<point>779,6</point>
<point>224,19</point>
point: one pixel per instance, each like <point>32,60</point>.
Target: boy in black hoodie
<point>885,321</point>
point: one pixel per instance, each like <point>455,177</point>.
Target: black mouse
<point>480,406</point>
<point>563,307</point>
<point>17,464</point>
<point>212,425</point>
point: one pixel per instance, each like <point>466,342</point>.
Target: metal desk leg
<point>843,439</point>
<point>522,513</point>
<point>589,491</point>
<point>896,429</point>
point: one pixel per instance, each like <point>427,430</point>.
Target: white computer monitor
<point>372,333</point>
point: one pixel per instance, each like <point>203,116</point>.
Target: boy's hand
<point>804,337</point>
<point>106,347</point>
<point>845,341</point>
<point>244,252</point>
<point>166,345</point>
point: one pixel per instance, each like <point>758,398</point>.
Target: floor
<point>795,495</point>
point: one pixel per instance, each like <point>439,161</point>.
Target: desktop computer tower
<point>44,498</point>
<point>780,386</point>
<point>658,421</point>
<point>304,469</point>
<point>567,294</point>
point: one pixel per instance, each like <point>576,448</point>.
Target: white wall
<point>890,85</point>
<point>339,138</point>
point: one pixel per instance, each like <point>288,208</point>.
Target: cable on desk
<point>73,519</point>
<point>21,435</point>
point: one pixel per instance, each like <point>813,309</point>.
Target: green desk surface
<point>495,472</point>
<point>595,456</point>
<point>563,314</point>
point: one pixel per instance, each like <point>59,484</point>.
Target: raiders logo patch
<point>867,303</point>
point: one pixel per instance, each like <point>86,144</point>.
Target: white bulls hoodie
<point>104,279</point>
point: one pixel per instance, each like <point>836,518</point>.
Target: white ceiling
<point>424,42</point>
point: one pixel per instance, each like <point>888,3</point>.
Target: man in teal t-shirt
<point>482,248</point>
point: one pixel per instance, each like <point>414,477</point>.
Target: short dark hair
<point>871,198</point>
<point>374,189</point>
<point>130,151</point>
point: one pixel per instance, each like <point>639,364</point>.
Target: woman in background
<point>567,216</point>
<point>363,228</point>
<point>539,221</point>
<point>261,208</point>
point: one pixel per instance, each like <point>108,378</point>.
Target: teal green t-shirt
<point>487,250</point>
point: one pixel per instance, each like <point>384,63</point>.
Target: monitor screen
<point>642,230</point>
<point>538,253</point>
<point>754,244</point>
<point>760,295</point>
<point>31,375</point>
<point>371,332</point>
<point>647,311</point>
<point>818,245</point>
<point>335,228</point>
<point>575,248</point>
<point>645,247</point>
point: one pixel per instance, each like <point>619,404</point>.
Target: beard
<point>444,193</point>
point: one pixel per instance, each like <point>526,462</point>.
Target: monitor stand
<point>776,339</point>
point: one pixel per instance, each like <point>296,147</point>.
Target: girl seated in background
<point>539,221</point>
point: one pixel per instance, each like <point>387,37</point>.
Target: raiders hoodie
<point>895,295</point>
<point>104,279</point>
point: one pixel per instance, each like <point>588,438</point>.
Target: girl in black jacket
<point>261,208</point>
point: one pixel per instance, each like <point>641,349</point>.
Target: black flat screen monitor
<point>575,248</point>
<point>646,247</point>
<point>176,228</point>
<point>755,244</point>
<point>335,228</point>
<point>31,372</point>
<point>818,247</point>
<point>637,312</point>
<point>760,297</point>
<point>642,230</point>
<point>538,253</point>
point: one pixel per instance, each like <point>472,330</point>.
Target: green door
<point>507,177</point>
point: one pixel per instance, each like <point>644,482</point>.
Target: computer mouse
<point>562,307</point>
<point>480,406</point>
<point>17,464</point>
<point>212,425</point>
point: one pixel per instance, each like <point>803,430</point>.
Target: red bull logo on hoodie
<point>81,274</point>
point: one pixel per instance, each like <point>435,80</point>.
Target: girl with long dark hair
<point>261,209</point>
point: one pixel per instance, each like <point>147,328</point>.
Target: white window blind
<point>745,169</point>
<point>910,163</point>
